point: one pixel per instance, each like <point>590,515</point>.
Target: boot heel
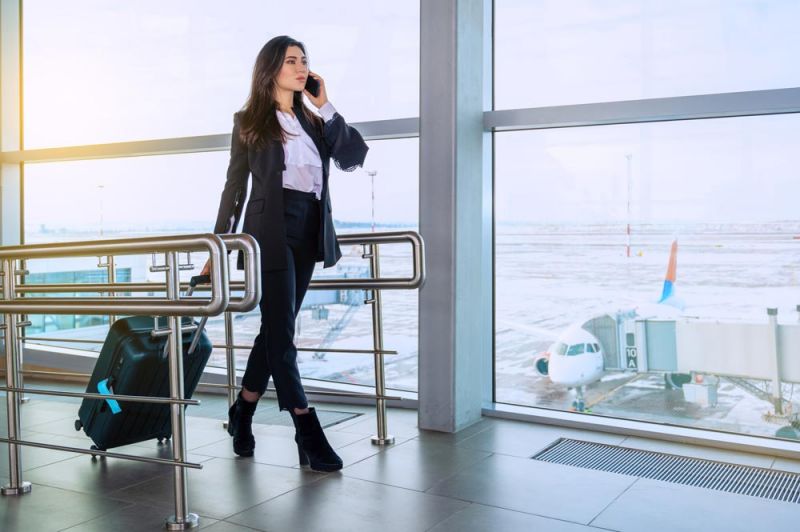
<point>302,456</point>
<point>312,445</point>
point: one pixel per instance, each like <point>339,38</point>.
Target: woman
<point>287,149</point>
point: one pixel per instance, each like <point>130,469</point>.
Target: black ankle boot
<point>240,421</point>
<point>312,447</point>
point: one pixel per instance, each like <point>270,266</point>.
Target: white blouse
<point>303,163</point>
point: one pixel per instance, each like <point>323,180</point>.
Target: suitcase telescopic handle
<point>193,282</point>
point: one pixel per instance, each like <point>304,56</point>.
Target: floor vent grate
<point>745,480</point>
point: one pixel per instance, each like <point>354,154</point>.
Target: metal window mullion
<point>398,128</point>
<point>722,105</point>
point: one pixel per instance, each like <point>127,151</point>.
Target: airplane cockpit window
<point>590,348</point>
<point>575,349</point>
<point>597,348</point>
<point>560,349</point>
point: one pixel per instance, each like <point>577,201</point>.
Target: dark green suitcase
<point>133,362</point>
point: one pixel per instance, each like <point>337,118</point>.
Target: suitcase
<point>133,362</point>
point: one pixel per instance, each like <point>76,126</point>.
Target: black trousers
<point>274,352</point>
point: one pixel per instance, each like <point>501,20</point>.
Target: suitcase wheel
<point>78,425</point>
<point>95,448</point>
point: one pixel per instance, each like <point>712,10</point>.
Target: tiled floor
<point>481,479</point>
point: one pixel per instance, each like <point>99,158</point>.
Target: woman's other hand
<point>322,99</point>
<point>206,269</point>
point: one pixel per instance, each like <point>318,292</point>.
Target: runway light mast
<point>629,156</point>
<point>371,174</point>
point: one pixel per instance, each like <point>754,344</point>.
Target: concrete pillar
<point>455,325</point>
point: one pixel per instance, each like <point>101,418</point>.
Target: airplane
<point>575,359</point>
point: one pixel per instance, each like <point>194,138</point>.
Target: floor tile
<point>48,509</point>
<point>414,464</point>
<point>135,518</point>
<point>38,412</point>
<point>363,448</point>
<point>657,506</point>
<point>338,503</point>
<point>400,424</point>
<point>225,526</point>
<point>479,518</point>
<point>517,438</point>
<point>569,493</point>
<point>456,437</point>
<point>223,487</point>
<point>102,475</point>
<point>273,446</point>
<point>199,432</point>
<point>33,457</point>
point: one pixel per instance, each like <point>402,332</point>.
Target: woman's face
<point>293,73</point>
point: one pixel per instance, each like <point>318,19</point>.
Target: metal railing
<point>375,284</point>
<point>172,306</point>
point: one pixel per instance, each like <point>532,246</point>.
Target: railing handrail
<point>215,245</point>
<point>116,246</point>
<point>252,272</point>
<point>235,304</point>
<point>388,237</point>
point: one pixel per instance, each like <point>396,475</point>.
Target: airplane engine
<point>542,364</point>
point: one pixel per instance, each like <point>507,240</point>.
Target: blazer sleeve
<point>347,147</point>
<point>235,191</point>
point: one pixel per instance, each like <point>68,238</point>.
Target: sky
<point>101,71</point>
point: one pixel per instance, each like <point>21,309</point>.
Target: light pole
<point>372,174</point>
<point>629,156</point>
<point>101,209</point>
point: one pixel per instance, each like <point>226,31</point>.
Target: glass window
<point>590,348</point>
<point>576,349</point>
<point>139,196</point>
<point>725,190</point>
<point>98,71</point>
<point>387,186</point>
<point>112,198</point>
<point>579,51</point>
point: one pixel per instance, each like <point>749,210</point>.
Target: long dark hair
<point>258,123</point>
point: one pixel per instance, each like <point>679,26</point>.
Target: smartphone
<point>312,86</point>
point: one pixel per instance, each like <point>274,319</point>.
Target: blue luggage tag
<point>102,387</point>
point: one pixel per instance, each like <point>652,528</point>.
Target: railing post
<point>16,485</point>
<point>382,438</point>
<point>182,519</point>
<point>22,272</point>
<point>230,359</point>
<point>230,356</point>
<point>111,268</point>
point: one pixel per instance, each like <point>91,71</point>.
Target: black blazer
<point>263,217</point>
